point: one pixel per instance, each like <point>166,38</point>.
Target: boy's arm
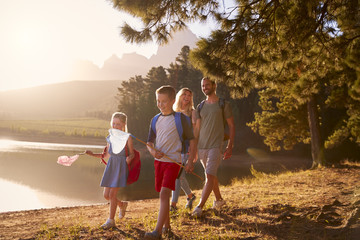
<point>155,153</point>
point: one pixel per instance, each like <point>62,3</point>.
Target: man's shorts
<point>210,159</point>
<point>165,175</point>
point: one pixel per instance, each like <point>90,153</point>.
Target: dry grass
<point>313,204</point>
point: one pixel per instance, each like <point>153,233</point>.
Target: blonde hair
<point>121,116</point>
<point>177,104</point>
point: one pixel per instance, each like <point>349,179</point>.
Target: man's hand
<point>227,153</point>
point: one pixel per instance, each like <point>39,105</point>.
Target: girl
<point>116,171</point>
<point>183,103</point>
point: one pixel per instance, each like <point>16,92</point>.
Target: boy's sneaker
<point>173,209</point>
<point>197,212</point>
<point>190,202</point>
<point>218,204</point>
<point>110,223</point>
<point>152,235</point>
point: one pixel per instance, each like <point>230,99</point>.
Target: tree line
<point>301,58</point>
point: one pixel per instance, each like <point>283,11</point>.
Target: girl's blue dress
<point>116,171</point>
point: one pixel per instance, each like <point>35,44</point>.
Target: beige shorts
<point>210,159</point>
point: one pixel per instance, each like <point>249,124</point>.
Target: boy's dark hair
<point>168,90</point>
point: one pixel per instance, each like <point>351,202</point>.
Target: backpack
<point>179,118</point>
<point>222,106</point>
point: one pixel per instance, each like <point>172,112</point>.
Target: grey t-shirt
<point>212,126</point>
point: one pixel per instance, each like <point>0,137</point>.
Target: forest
<point>289,68</point>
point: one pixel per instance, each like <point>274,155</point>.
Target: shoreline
<point>308,204</point>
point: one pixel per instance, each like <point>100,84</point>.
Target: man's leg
<point>208,188</point>
<point>216,189</point>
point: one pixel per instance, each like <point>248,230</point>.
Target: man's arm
<point>229,147</point>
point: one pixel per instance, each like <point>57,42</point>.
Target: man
<point>209,135</point>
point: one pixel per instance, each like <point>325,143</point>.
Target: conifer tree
<point>302,55</point>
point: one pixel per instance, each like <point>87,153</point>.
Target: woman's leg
<point>176,193</point>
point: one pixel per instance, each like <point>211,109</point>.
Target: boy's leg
<point>163,217</point>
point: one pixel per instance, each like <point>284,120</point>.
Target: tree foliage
<point>302,57</point>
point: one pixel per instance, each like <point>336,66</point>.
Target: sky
<point>41,39</point>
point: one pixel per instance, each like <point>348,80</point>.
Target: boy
<point>167,155</point>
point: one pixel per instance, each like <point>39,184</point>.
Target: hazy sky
<point>41,39</point>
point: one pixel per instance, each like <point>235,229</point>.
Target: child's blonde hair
<point>121,116</point>
<point>177,104</point>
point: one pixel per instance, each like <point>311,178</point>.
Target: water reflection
<point>29,173</point>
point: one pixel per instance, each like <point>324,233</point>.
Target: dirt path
<point>313,204</point>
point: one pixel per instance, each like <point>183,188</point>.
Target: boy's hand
<point>158,154</point>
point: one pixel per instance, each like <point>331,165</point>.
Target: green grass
<point>68,127</point>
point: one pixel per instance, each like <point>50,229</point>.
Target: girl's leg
<point>106,193</point>
<point>113,202</point>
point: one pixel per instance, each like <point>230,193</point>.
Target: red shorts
<point>165,175</point>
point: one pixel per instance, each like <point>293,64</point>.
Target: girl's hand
<point>129,158</point>
<point>88,152</point>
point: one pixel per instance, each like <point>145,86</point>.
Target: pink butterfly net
<point>66,160</point>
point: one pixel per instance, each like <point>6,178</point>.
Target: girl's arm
<point>131,151</point>
<point>99,155</point>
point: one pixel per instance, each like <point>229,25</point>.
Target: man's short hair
<point>168,90</point>
<point>208,79</point>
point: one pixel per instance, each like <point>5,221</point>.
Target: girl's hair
<point>121,116</point>
<point>177,104</point>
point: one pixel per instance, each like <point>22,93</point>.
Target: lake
<point>30,177</point>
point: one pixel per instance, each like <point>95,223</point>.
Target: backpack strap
<point>200,106</point>
<point>153,122</point>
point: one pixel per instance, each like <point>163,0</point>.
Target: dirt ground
<point>314,204</point>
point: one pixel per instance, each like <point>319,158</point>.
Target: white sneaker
<point>218,204</point>
<point>123,209</point>
<point>197,212</point>
<point>110,223</point>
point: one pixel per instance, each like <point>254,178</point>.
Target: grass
<point>308,204</point>
<point>85,127</point>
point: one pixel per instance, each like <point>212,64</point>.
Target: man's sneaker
<point>123,209</point>
<point>197,212</point>
<point>110,223</point>
<point>190,202</point>
<point>152,235</point>
<point>218,204</point>
<point>173,209</point>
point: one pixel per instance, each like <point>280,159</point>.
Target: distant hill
<point>133,64</point>
<point>92,88</point>
<point>62,100</point>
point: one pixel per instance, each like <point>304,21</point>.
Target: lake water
<point>30,177</point>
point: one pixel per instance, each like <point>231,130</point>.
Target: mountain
<point>132,64</point>
<point>93,88</point>
<point>61,100</point>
